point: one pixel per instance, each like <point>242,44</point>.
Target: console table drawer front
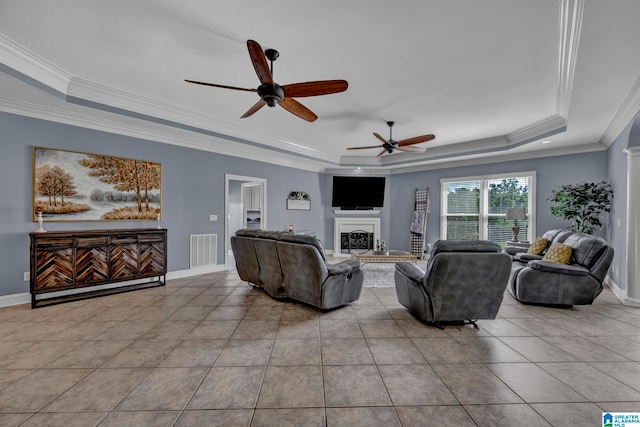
<point>54,243</point>
<point>90,242</point>
<point>123,240</point>
<point>54,270</point>
<point>152,238</point>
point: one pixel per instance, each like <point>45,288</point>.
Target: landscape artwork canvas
<point>74,186</point>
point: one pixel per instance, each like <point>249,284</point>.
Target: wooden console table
<point>70,260</point>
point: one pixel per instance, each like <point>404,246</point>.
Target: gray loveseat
<point>465,281</point>
<point>288,265</point>
<point>534,280</point>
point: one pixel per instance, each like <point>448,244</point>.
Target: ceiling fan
<point>273,94</point>
<point>404,145</point>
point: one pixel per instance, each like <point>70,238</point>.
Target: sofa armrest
<point>554,267</point>
<point>410,271</point>
<point>343,267</point>
<point>525,257</point>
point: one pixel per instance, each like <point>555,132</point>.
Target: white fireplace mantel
<point>349,224</point>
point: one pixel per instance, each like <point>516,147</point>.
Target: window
<point>474,208</point>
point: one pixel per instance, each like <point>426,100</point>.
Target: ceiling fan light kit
<point>273,94</point>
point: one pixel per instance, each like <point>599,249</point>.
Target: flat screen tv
<point>358,192</point>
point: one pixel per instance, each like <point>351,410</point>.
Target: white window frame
<point>483,220</point>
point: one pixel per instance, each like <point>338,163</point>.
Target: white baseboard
<point>25,298</point>
<point>15,299</point>
<point>621,294</point>
<point>179,274</point>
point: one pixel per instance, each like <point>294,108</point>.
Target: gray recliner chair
<point>465,281</point>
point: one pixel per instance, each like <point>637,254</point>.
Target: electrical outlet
<point>26,276</point>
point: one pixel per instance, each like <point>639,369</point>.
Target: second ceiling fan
<point>273,94</point>
<point>389,146</point>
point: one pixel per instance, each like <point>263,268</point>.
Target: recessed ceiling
<point>489,78</point>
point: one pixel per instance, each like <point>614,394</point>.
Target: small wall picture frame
<point>302,205</point>
<point>299,200</point>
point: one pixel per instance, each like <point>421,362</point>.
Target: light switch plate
<point>213,218</point>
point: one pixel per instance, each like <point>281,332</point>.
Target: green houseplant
<point>582,204</point>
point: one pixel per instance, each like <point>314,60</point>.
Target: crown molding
<point>571,14</point>
<point>544,128</point>
<point>624,115</point>
<point>159,133</point>
<point>472,161</point>
<point>32,65</point>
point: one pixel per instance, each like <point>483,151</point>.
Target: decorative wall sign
<point>299,200</point>
<point>75,186</point>
<point>304,205</point>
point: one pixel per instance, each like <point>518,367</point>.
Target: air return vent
<point>203,250</point>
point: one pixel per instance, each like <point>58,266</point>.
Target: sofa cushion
<point>245,232</point>
<point>304,239</point>
<point>554,267</point>
<point>586,248</point>
<point>464,246</point>
<point>538,246</point>
<point>558,252</point>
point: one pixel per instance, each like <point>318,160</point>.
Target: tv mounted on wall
<point>358,192</point>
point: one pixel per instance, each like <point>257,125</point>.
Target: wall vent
<point>203,250</point>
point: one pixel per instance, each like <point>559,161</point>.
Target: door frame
<point>263,214</point>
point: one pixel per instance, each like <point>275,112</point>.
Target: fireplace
<point>367,232</point>
<point>356,240</point>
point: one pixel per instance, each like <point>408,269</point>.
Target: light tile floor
<point>211,350</point>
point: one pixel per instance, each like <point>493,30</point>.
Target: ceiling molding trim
<point>163,134</point>
<point>563,151</point>
<point>544,128</point>
<point>32,65</point>
<point>571,14</point>
<point>628,110</point>
<point>85,92</point>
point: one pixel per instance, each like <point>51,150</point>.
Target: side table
<point>514,247</point>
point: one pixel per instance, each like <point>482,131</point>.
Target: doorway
<point>245,198</point>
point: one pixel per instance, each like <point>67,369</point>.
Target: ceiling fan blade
<point>381,153</point>
<point>259,62</point>
<point>222,86</point>
<point>323,87</point>
<point>384,141</point>
<point>416,140</point>
<point>364,148</point>
<point>258,105</point>
<point>293,106</point>
<point>412,149</point>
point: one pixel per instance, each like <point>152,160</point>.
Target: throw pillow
<point>538,246</point>
<point>558,252</point>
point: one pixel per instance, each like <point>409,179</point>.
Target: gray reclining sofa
<point>287,265</point>
<point>536,281</point>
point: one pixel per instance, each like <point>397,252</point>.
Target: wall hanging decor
<point>299,200</point>
<point>75,186</point>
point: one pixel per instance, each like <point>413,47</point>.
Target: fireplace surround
<point>362,225</point>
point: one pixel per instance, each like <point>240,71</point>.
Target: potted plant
<point>582,204</point>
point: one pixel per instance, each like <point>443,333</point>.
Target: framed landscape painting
<point>75,186</point>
